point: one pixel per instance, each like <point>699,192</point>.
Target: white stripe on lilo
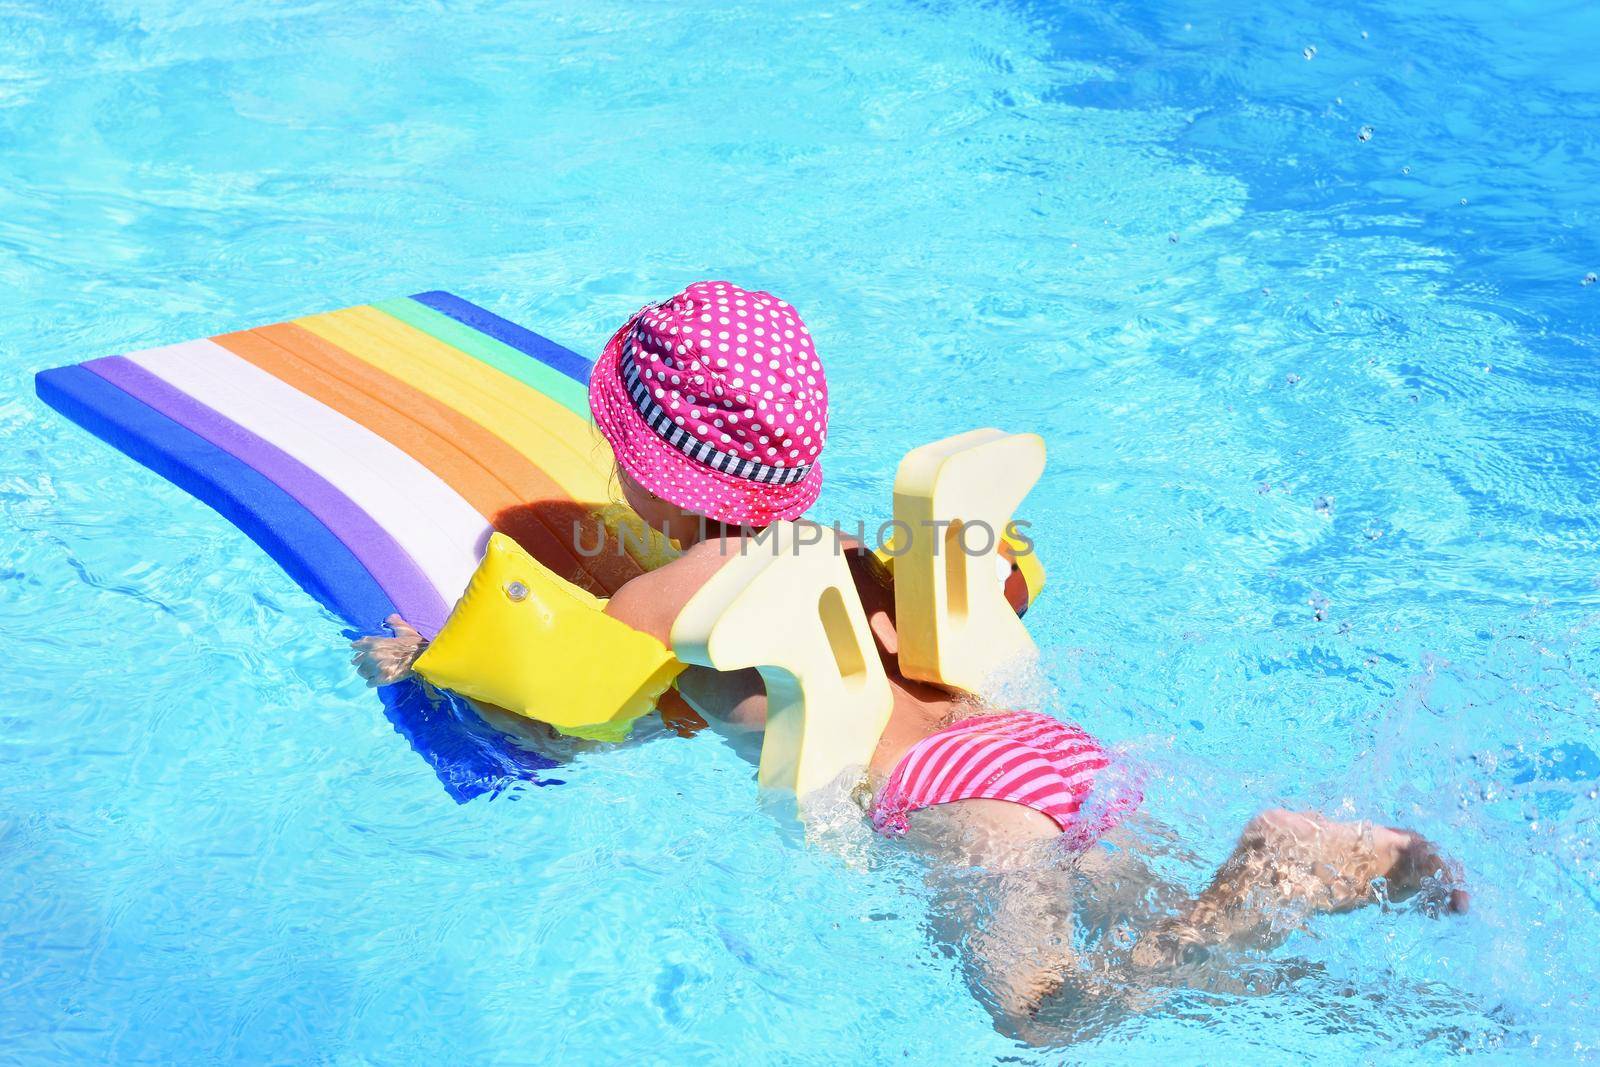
<point>656,417</point>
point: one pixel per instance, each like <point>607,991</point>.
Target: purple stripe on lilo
<point>389,564</point>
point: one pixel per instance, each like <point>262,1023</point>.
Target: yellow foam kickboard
<point>955,625</point>
<point>523,639</point>
<point>788,607</point>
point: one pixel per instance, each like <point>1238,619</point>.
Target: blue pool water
<point>1321,517</point>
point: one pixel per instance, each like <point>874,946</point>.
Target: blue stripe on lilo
<point>469,758</point>
<point>312,555</point>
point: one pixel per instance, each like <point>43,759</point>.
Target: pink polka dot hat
<point>715,401</point>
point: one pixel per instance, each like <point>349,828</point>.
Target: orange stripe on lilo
<point>498,481</point>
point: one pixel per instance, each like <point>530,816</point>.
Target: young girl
<point>716,406</point>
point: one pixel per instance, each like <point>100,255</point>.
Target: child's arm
<point>652,603</point>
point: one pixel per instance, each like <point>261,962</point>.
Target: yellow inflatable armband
<point>525,640</point>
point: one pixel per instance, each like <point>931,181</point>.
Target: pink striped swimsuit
<point>1021,756</point>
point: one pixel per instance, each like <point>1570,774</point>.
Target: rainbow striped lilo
<point>371,451</point>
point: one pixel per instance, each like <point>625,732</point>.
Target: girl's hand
<point>387,660</point>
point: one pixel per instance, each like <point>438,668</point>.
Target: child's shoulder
<point>652,601</point>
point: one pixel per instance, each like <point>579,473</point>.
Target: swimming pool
<point>1321,516</point>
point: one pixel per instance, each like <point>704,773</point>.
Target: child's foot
<point>1291,865</point>
<point>1419,868</point>
<point>1170,943</point>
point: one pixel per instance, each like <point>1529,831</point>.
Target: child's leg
<point>1012,899</point>
<point>1289,866</point>
<point>1001,899</point>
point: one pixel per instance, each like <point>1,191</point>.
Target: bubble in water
<point>1363,35</point>
<point>1365,134</point>
<point>1310,50</point>
<point>1590,278</point>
